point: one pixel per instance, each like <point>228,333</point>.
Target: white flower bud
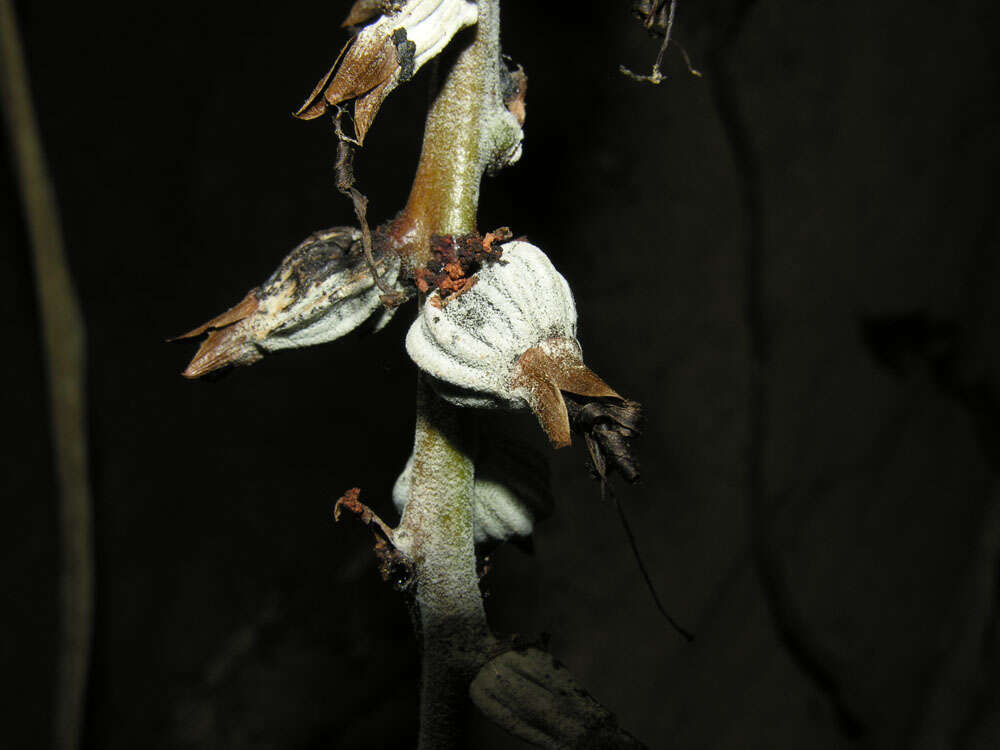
<point>470,344</point>
<point>320,292</point>
<point>508,341</point>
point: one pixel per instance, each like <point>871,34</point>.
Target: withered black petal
<point>608,425</point>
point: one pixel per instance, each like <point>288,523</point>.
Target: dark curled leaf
<point>608,425</point>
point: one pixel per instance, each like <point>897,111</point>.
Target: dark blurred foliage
<point>792,263</point>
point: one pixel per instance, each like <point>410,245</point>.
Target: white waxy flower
<point>386,53</point>
<point>509,341</point>
<point>510,492</point>
<point>321,291</point>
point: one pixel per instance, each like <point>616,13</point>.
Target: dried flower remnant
<point>608,426</point>
<point>515,89</point>
<point>657,18</point>
<point>508,341</point>
<point>511,489</point>
<point>321,291</point>
<point>394,566</point>
<point>385,54</point>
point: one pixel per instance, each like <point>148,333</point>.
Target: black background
<point>791,262</point>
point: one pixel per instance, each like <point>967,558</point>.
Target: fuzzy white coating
<point>331,309</point>
<point>433,32</point>
<point>470,345</point>
<point>509,493</point>
<point>429,24</point>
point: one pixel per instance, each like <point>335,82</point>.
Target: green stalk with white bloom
<point>468,131</point>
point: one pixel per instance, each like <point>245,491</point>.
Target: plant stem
<point>468,129</point>
<point>436,533</point>
<point>64,346</point>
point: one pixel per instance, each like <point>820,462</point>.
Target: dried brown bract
<point>365,11</point>
<point>547,371</point>
<point>384,54</point>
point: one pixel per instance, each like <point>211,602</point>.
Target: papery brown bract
<point>382,55</point>
<point>550,368</point>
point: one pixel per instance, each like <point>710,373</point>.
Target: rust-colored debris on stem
<point>454,261</point>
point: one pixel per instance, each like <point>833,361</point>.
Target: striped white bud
<point>509,341</point>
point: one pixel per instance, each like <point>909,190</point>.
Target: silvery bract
<point>385,53</point>
<point>320,292</point>
<point>510,492</point>
<point>509,341</point>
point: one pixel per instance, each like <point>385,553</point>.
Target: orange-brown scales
<point>455,259</point>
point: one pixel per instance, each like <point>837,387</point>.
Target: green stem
<point>436,533</point>
<point>468,131</point>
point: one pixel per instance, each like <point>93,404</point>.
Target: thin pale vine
<point>64,346</point>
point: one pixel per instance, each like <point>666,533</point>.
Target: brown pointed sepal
<point>547,370</point>
<point>226,347</point>
<point>225,344</point>
<point>364,11</point>
<point>369,62</point>
<point>246,307</point>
